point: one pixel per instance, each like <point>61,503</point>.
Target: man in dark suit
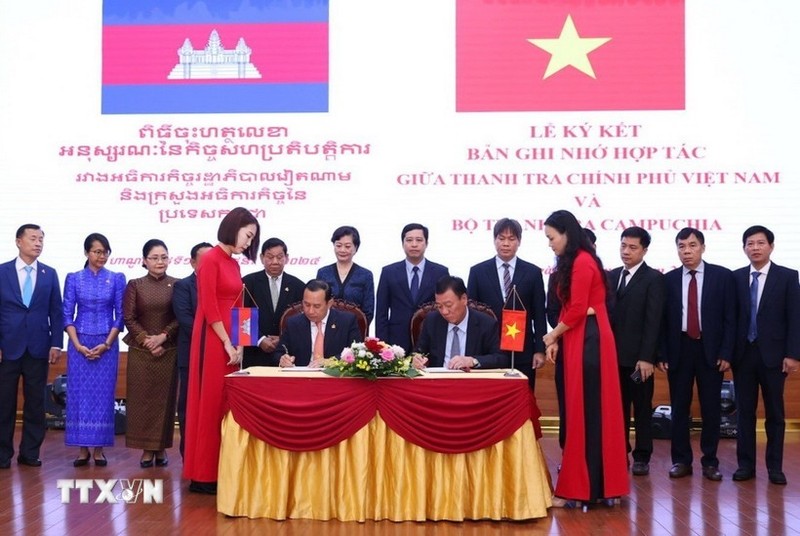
<point>31,336</point>
<point>273,291</point>
<point>404,286</point>
<point>767,349</point>
<point>455,336</point>
<point>317,334</point>
<point>492,281</point>
<point>699,333</point>
<point>636,308</point>
<point>184,303</point>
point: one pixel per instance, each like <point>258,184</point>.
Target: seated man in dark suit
<point>273,291</point>
<point>456,337</point>
<point>320,332</point>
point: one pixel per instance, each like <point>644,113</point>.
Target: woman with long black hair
<point>594,465</point>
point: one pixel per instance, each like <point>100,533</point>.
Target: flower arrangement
<point>371,359</point>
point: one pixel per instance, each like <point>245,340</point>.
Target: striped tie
<point>506,280</point>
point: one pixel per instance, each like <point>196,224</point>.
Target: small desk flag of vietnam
<point>512,330</point>
<point>244,326</point>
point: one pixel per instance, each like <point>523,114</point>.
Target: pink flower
<point>387,354</point>
<point>347,355</point>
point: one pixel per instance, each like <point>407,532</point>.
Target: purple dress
<point>91,383</point>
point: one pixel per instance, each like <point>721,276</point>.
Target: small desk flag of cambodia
<point>244,326</point>
<point>512,330</point>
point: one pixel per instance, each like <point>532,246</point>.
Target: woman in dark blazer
<point>348,280</point>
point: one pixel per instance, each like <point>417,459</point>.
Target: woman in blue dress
<point>348,280</point>
<point>92,320</point>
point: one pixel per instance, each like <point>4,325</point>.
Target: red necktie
<point>692,314</point>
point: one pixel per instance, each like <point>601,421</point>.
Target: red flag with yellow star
<point>570,55</point>
<point>512,330</point>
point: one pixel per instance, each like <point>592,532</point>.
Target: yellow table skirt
<point>376,474</point>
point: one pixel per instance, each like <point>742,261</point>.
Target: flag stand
<point>234,309</point>
<point>513,373</point>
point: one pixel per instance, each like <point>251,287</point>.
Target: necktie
<point>506,280</point>
<point>455,346</point>
<point>692,314</point>
<point>415,283</point>
<point>752,331</point>
<point>319,342</point>
<point>27,286</point>
<point>623,282</point>
<point>274,292</point>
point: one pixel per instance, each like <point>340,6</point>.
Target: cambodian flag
<point>237,56</point>
<point>244,326</point>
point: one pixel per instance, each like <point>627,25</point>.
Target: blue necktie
<point>752,331</point>
<point>455,346</point>
<point>27,286</point>
<point>415,283</point>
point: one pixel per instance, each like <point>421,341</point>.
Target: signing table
<point>441,446</point>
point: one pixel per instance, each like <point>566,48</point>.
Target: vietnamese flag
<point>244,326</point>
<point>570,55</point>
<point>512,330</point>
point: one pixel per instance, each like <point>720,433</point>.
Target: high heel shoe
<point>163,460</point>
<point>207,488</point>
<point>144,463</point>
<point>560,502</point>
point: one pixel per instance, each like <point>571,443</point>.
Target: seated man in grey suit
<point>320,332</point>
<point>455,336</point>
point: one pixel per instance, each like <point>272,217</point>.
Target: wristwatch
<point>475,363</point>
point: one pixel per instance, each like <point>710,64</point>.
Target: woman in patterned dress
<point>152,362</point>
<point>92,320</point>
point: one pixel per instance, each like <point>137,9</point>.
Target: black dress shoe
<point>712,473</point>
<point>208,488</point>
<point>680,470</point>
<point>163,461</point>
<point>640,468</point>
<point>5,464</point>
<point>80,462</point>
<point>101,462</point>
<point>777,477</point>
<point>743,474</point>
<point>31,462</point>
